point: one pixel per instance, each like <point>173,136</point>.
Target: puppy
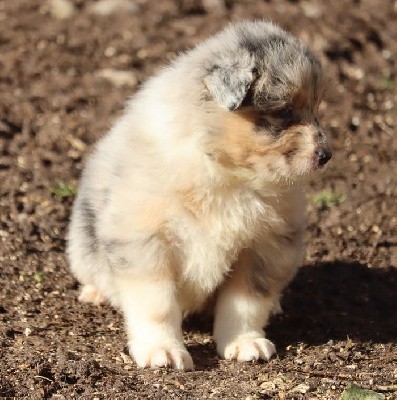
<point>197,193</point>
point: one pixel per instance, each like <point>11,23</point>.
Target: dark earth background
<point>59,94</point>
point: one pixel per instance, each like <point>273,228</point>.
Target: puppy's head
<point>267,87</point>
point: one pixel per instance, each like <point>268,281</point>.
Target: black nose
<point>324,155</point>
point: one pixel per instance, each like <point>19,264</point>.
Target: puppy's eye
<point>285,114</point>
<point>264,126</point>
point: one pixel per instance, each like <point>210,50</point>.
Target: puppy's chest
<point>210,239</point>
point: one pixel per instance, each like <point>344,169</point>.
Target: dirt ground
<point>56,99</point>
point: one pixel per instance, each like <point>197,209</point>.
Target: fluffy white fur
<point>160,225</point>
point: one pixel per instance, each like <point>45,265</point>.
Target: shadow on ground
<point>330,301</point>
<point>335,301</point>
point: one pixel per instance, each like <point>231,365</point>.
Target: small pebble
<point>61,9</point>
<point>107,7</point>
<point>27,332</point>
<point>118,77</point>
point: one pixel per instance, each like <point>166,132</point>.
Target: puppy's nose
<point>323,155</point>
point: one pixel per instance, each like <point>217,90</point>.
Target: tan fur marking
<point>241,146</point>
<point>151,217</point>
<point>192,201</point>
<point>237,141</point>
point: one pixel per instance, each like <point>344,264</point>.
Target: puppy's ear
<point>229,79</point>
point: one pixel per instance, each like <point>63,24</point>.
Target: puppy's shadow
<point>204,354</point>
<point>335,301</point>
<point>325,301</point>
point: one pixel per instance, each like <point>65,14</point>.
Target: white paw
<point>249,349</point>
<point>90,294</point>
<point>171,355</point>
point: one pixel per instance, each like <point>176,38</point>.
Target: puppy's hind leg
<point>82,251</point>
<point>90,294</point>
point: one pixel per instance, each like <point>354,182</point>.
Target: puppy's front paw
<point>167,355</point>
<point>248,349</point>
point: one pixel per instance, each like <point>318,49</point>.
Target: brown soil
<point>340,318</point>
